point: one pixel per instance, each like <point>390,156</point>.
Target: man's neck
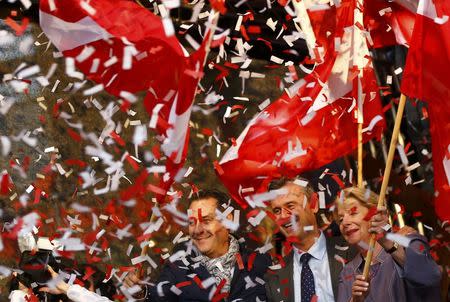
<point>224,251</point>
<point>306,242</point>
<point>220,253</point>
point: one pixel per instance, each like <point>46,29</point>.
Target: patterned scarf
<point>222,268</point>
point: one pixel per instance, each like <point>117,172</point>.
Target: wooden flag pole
<point>358,57</point>
<point>360,156</point>
<point>387,173</point>
<point>360,133</point>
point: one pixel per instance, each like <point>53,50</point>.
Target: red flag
<point>170,114</point>
<point>426,78</point>
<point>310,129</point>
<point>128,49</point>
<point>116,43</point>
<point>388,23</point>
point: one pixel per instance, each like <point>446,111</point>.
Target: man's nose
<point>285,213</point>
<point>198,226</point>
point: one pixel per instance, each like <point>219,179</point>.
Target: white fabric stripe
<point>69,35</point>
<point>232,152</point>
<point>176,136</point>
<point>426,8</point>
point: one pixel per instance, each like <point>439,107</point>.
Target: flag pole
<point>387,173</point>
<point>358,41</point>
<point>360,133</point>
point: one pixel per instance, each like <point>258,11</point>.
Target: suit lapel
<point>336,266</point>
<point>287,273</point>
<point>236,282</point>
<point>203,274</point>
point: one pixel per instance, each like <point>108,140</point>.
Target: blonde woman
<point>397,273</point>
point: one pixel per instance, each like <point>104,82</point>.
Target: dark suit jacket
<point>280,283</point>
<point>255,266</point>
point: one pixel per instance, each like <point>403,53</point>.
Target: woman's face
<point>352,223</point>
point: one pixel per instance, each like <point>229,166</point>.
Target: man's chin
<point>202,245</point>
<point>290,232</point>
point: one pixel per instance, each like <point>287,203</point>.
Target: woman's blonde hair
<point>365,196</point>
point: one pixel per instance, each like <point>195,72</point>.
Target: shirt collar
<point>358,261</point>
<point>317,250</point>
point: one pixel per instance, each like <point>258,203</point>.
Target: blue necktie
<point>307,279</point>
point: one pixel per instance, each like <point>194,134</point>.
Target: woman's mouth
<point>351,232</point>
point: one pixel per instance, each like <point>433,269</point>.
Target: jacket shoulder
<point>258,262</point>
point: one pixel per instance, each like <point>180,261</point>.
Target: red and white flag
<point>170,114</point>
<point>115,43</point>
<point>426,78</point>
<point>314,125</point>
<point>126,48</point>
<point>388,23</point>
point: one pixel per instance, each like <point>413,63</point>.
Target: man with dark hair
<point>213,265</point>
<point>313,265</point>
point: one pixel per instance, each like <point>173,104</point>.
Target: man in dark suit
<point>213,265</point>
<point>311,268</point>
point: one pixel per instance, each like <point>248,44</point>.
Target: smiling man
<point>213,265</point>
<point>209,235</point>
<point>312,267</point>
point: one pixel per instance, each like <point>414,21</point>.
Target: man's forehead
<point>206,206</point>
<point>292,191</point>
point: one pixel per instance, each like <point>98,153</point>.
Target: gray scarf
<point>222,268</point>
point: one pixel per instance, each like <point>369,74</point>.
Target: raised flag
<point>388,23</point>
<point>426,78</point>
<point>173,111</point>
<point>116,43</point>
<point>127,49</point>
<point>310,126</point>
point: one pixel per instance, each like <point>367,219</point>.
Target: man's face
<point>208,234</point>
<point>293,212</point>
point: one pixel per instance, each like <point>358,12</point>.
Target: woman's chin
<point>353,240</point>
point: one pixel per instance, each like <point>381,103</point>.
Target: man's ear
<point>230,216</point>
<point>314,202</point>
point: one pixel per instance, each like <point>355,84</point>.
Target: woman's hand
<point>379,221</point>
<point>360,288</point>
<point>379,225</point>
<point>61,286</point>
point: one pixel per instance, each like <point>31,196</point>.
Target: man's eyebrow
<point>295,194</point>
<point>289,201</point>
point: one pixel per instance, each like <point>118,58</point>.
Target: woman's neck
<point>364,249</point>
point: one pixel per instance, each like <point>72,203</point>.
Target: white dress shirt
<point>320,268</point>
